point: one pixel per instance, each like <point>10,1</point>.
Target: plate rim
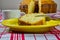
<point>42,26</point>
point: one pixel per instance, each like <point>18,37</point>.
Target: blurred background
<point>14,4</point>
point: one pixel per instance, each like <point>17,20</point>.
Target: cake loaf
<point>47,6</point>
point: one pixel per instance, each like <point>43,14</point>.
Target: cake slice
<point>32,19</point>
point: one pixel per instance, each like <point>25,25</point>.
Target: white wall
<point>0,4</point>
<point>10,4</point>
<point>14,4</point>
<point>58,3</point>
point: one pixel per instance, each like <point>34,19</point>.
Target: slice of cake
<point>32,19</point>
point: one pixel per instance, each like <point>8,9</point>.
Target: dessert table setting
<point>40,16</point>
<point>7,34</point>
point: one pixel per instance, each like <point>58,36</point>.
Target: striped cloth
<point>54,34</point>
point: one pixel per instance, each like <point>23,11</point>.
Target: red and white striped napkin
<point>54,34</point>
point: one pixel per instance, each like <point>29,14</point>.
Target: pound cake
<point>46,6</point>
<point>32,19</point>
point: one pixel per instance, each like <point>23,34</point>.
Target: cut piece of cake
<point>32,19</point>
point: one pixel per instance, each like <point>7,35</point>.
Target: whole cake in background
<point>37,6</point>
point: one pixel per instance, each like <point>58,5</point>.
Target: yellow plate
<point>13,25</point>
